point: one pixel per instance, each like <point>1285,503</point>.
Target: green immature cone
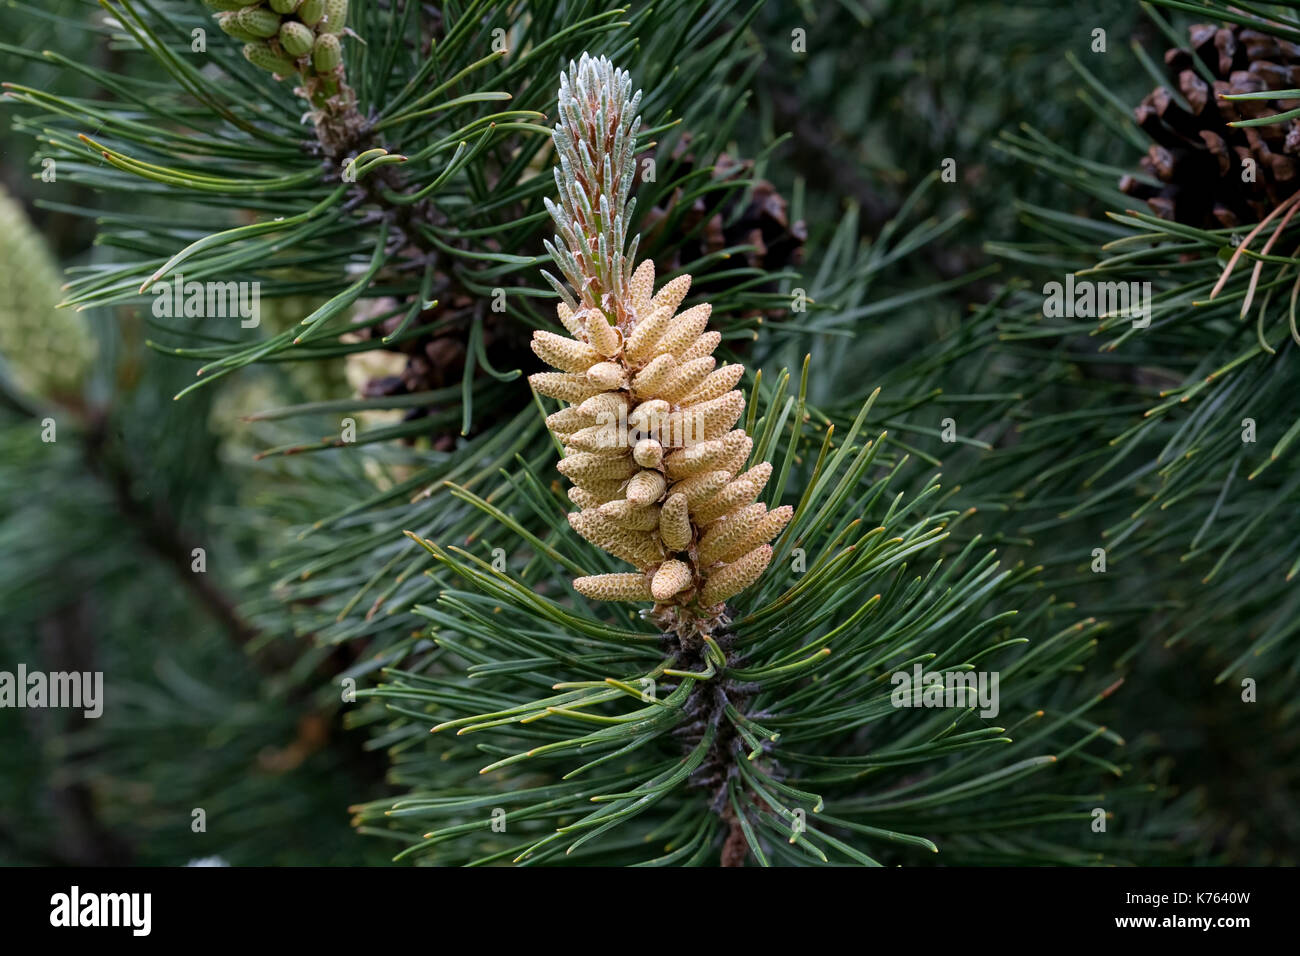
<point>258,21</point>
<point>295,38</point>
<point>311,12</point>
<point>261,54</point>
<point>285,6</point>
<point>229,24</point>
<point>327,55</point>
<point>336,16</point>
<point>47,350</point>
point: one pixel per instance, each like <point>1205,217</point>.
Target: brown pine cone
<point>1196,154</point>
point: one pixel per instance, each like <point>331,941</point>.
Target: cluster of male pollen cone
<point>659,471</point>
<point>290,38</point>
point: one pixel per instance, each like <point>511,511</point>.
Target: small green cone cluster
<point>292,37</point>
<point>660,474</point>
<point>45,350</point>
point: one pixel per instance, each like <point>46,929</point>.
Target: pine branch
<point>726,730</point>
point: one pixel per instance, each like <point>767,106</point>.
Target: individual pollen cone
<point>671,295</point>
<point>700,488</point>
<point>641,289</point>
<point>675,523</point>
<point>697,458</point>
<point>738,453</point>
<point>585,499</point>
<point>312,11</point>
<point>605,489</point>
<point>296,38</point>
<point>614,587</point>
<point>717,384</point>
<point>567,319</point>
<point>728,453</point>
<point>684,330</point>
<point>648,416</point>
<point>326,53</point>
<point>569,420</point>
<point>647,332</point>
<point>261,55</point>
<point>258,21</point>
<point>686,378</point>
<point>564,353</point>
<point>646,487</point>
<point>767,528</point>
<point>758,476</point>
<point>608,375</point>
<point>723,536</point>
<point>567,386</point>
<point>649,435</point>
<point>672,577</point>
<point>336,16</point>
<point>733,578</point>
<point>648,453</point>
<point>596,442</point>
<point>605,407</point>
<point>705,345</point>
<point>735,495</point>
<point>631,515</point>
<point>635,547</point>
<point>652,377</point>
<point>597,438</point>
<point>713,419</point>
<point>587,465</point>
<point>603,337</point>
<point>593,494</point>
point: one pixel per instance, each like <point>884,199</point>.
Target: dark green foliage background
<point>220,685</point>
